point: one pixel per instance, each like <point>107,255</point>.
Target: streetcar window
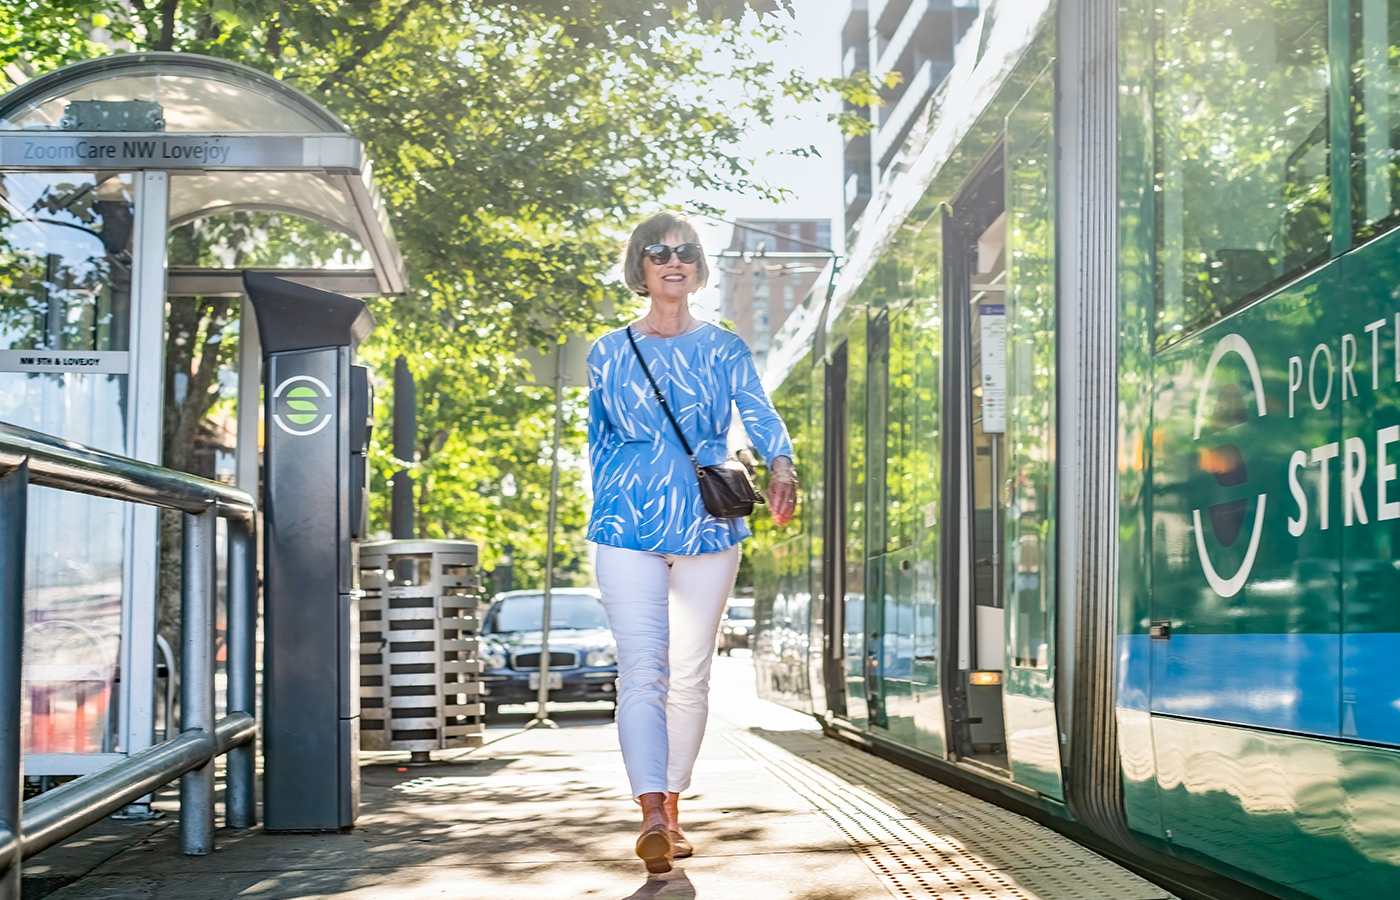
<point>1242,175</point>
<point>1375,184</point>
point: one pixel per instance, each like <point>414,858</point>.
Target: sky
<point>815,182</point>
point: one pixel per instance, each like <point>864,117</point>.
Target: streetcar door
<point>975,664</point>
<point>848,659</point>
<point>833,566</point>
<point>1032,731</point>
<point>881,632</point>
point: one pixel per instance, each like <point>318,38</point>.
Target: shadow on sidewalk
<point>527,819</point>
<point>672,886</point>
<point>675,885</point>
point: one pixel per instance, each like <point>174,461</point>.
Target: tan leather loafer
<point>681,848</point>
<point>654,847</point>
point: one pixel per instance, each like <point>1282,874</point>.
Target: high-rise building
<point>767,271</point>
<point>915,38</point>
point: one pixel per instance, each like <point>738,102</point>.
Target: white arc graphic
<point>1229,587</point>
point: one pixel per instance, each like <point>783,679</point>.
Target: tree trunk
<point>193,343</point>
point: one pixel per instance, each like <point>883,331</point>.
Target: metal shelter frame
<point>195,137</point>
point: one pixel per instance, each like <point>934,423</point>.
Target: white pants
<point>664,612</point>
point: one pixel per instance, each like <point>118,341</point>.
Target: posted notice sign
<point>993,319</point>
<point>103,362</point>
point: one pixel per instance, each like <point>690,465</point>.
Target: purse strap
<point>662,400</point>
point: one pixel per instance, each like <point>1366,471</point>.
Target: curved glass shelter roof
<point>195,93</point>
<point>231,137</point>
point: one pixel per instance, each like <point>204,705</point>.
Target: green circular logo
<point>301,405</point>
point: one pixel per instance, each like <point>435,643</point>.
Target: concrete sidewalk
<point>776,811</point>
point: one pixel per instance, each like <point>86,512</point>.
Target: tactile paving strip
<point>926,840</point>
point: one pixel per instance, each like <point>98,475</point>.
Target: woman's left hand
<point>782,491</point>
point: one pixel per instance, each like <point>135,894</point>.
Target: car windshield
<point>739,612</point>
<point>525,613</point>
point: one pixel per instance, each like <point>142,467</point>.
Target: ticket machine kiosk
<point>318,409</point>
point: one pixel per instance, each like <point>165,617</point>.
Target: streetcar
<point>1099,432</point>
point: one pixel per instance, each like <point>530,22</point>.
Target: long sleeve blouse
<point>645,493</point>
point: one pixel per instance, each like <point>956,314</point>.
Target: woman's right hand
<point>782,491</point>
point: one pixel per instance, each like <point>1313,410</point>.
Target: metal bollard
<point>197,678</point>
<point>240,810</point>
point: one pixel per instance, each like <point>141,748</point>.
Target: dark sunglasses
<point>661,253</point>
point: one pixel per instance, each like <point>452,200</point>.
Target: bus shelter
<point>101,164</point>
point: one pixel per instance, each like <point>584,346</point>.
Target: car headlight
<point>605,656</point>
<point>494,658</point>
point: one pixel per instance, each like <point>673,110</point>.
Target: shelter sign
<point>160,150</point>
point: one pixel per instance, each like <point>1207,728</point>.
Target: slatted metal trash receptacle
<point>420,688</point>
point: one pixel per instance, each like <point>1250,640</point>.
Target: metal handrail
<point>31,458</point>
<point>56,463</point>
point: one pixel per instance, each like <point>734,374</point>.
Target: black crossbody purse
<point>726,489</point>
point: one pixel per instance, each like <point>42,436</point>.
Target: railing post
<point>240,810</point>
<point>197,678</point>
<point>13,494</point>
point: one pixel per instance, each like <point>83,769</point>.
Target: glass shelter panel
<point>65,304</point>
<point>1242,182</point>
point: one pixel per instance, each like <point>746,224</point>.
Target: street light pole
<point>542,718</point>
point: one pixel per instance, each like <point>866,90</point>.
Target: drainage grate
<point>926,840</point>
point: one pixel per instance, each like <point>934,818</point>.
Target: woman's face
<point>673,279</point>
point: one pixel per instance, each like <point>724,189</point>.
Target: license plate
<point>556,681</point>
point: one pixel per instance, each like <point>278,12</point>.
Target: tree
<point>514,143</point>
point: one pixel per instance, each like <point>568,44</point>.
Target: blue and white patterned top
<point>645,494</point>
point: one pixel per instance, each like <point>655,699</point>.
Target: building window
<point>1242,181</point>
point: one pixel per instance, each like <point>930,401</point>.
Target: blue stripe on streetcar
<point>1370,688</point>
<point>1322,684</point>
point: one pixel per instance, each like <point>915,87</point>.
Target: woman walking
<point>665,565</point>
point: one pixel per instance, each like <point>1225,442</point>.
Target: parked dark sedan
<point>736,628</point>
<point>582,654</point>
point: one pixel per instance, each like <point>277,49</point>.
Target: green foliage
<point>514,142</point>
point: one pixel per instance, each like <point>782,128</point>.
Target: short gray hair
<point>654,231</point>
